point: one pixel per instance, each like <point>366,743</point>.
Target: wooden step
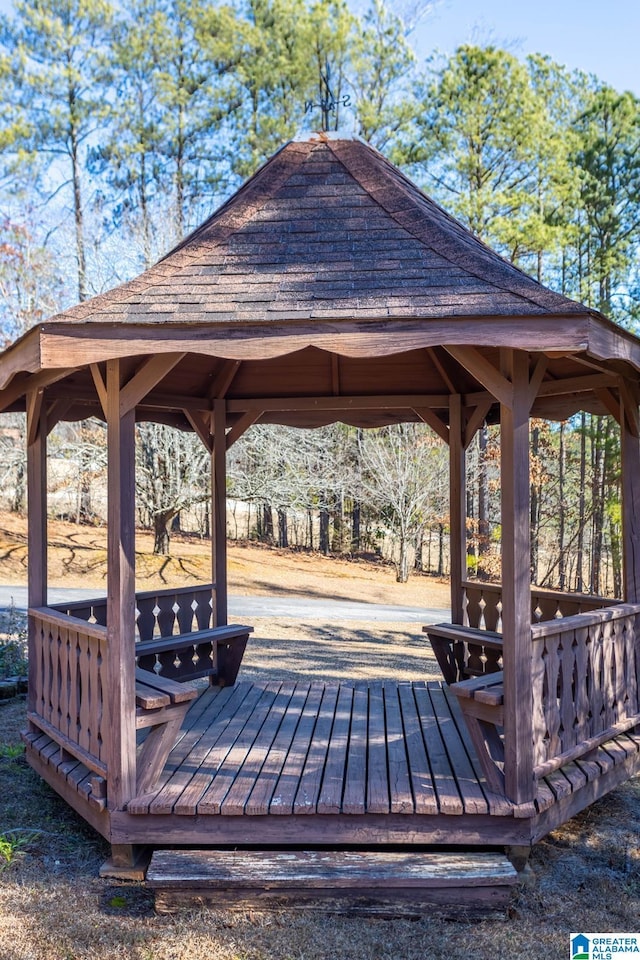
<point>374,883</point>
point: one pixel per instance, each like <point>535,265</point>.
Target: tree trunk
<point>267,523</point>
<point>562,563</point>
<point>355,527</point>
<point>283,534</point>
<point>19,493</point>
<point>161,539</point>
<point>483,496</point>
<point>324,531</point>
<point>581,504</point>
<point>441,549</point>
<point>534,507</point>
<point>403,561</point>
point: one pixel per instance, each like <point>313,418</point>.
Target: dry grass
<point>585,876</point>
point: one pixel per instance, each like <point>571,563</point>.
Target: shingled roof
<point>328,274</point>
<point>326,229</point>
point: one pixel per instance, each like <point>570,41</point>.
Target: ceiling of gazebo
<point>327,275</point>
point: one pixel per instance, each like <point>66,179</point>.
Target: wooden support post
<point>457,509</point>
<point>516,578</point>
<point>219,510</point>
<point>630,448</point>
<point>121,602</point>
<point>36,524</point>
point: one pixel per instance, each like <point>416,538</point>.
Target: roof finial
<point>329,103</point>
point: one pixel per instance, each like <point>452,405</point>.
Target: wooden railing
<point>70,676</point>
<point>159,613</point>
<point>483,605</point>
<point>174,636</point>
<point>585,679</point>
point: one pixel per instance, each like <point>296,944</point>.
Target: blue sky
<point>597,36</point>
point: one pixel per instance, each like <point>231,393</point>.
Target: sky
<point>598,36</point>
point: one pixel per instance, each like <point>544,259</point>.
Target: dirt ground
<point>53,906</point>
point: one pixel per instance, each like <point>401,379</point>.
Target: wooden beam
<point>201,423</point>
<point>516,577</point>
<point>242,425</point>
<point>56,412</point>
<point>121,602</point>
<point>34,409</point>
<point>298,404</point>
<point>335,374</point>
<point>630,450</point>
<point>629,404</point>
<point>223,379</point>
<point>219,510</point>
<point>484,372</point>
<point>36,530</point>
<point>476,419</point>
<point>100,386</point>
<point>152,371</point>
<point>610,403</point>
<point>434,421</point>
<point>536,378</point>
<point>442,370</point>
<point>457,509</point>
<point>37,381</point>
<point>586,384</point>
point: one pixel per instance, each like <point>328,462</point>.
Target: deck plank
<point>425,799</point>
<point>470,790</point>
<point>449,800</point>
<point>265,783</point>
<point>330,798</point>
<point>400,793</point>
<point>204,711</point>
<point>285,792</point>
<point>499,806</point>
<point>189,782</point>
<point>306,800</point>
<point>377,773</point>
<point>236,799</point>
<point>229,757</point>
<point>354,798</point>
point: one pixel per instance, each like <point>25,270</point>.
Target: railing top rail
<point>50,615</point>
<point>548,628</point>
<point>543,592</point>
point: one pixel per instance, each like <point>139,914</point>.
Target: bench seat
<point>481,700</point>
<point>464,652</point>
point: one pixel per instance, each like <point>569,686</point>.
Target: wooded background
<point>123,126</point>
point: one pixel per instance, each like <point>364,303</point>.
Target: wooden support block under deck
<point>374,883</point>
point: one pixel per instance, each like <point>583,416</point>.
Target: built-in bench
<point>215,652</point>
<point>482,702</point>
<point>464,652</point>
<point>161,704</point>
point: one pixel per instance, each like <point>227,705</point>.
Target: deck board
<point>310,748</point>
<point>377,748</point>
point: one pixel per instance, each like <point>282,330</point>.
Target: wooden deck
<point>314,748</point>
<point>291,763</point>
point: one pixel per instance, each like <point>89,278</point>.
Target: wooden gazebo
<point>329,288</point>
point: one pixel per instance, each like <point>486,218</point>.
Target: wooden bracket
<point>629,405</point>
<point>484,372</point>
<point>476,419</point>
<point>431,418</point>
<point>146,378</point>
<point>536,378</point>
<point>34,412</point>
<point>201,423</point>
<point>242,425</point>
<point>37,381</point>
<point>100,385</point>
<point>223,379</point>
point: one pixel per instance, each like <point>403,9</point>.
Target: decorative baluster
<point>551,711</point>
<point>166,614</point>
<point>539,690</point>
<point>146,621</point>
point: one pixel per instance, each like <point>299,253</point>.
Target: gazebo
<point>328,288</point>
